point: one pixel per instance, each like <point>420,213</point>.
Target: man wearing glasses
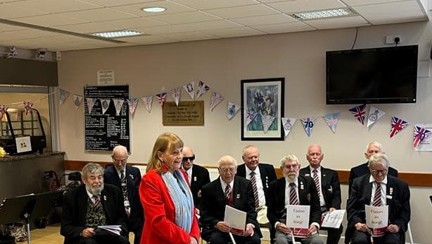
<point>198,176</point>
<point>379,189</point>
<point>232,190</point>
<point>362,169</point>
<point>127,178</point>
<point>293,189</point>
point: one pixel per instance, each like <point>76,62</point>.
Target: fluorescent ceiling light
<point>153,9</point>
<point>117,34</point>
<point>322,14</point>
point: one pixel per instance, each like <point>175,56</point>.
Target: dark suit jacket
<point>133,180</point>
<point>398,200</point>
<point>363,169</point>
<point>213,204</point>
<point>307,195</point>
<point>200,177</point>
<point>267,172</point>
<point>74,210</point>
<point>330,186</point>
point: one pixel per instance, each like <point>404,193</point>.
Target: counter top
<point>29,156</point>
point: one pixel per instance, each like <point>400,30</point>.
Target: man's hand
<point>283,228</point>
<point>222,226</point>
<point>393,228</point>
<point>249,230</point>
<point>88,232</point>
<point>313,229</point>
<point>361,227</point>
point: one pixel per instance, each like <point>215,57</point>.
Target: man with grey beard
<point>293,189</point>
<point>91,205</point>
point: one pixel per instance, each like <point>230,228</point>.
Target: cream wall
<point>299,57</point>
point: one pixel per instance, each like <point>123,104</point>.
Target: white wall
<point>299,57</point>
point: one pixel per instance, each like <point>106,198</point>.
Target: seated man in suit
<point>91,205</point>
<point>379,189</point>
<point>127,178</point>
<point>293,189</point>
<point>260,174</point>
<point>232,190</point>
<point>328,187</point>
<point>198,176</point>
<point>362,169</point>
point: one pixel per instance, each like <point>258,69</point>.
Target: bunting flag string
<point>397,125</point>
<point>359,113</point>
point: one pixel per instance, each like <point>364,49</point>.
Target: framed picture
<point>263,107</point>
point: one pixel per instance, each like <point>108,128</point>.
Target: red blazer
<point>159,212</point>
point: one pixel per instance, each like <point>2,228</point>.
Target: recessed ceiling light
<point>153,9</point>
<point>322,14</point>
<point>117,34</point>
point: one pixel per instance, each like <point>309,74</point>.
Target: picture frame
<point>262,101</point>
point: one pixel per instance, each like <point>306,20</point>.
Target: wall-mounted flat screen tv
<point>375,75</point>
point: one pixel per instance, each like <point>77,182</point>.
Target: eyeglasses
<point>226,170</point>
<point>375,172</point>
<point>122,161</point>
<point>291,166</point>
<point>192,158</point>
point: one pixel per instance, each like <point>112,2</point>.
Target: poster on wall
<point>106,117</point>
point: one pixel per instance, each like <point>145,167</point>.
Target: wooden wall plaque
<point>185,114</point>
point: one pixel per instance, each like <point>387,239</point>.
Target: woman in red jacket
<point>166,197</point>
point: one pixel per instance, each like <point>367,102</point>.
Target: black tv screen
<point>376,75</point>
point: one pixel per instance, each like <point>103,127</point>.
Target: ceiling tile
<point>181,18</point>
<point>99,15</point>
<point>136,9</point>
<point>55,6</point>
<point>243,11</point>
<point>264,19</point>
<point>234,32</point>
<point>283,28</point>
<point>209,4</point>
<point>333,23</point>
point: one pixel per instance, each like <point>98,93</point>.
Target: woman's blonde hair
<point>165,141</point>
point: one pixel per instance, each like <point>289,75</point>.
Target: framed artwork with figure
<point>262,101</point>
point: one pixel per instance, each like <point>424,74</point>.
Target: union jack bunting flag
<point>359,112</point>
<point>420,134</point>
<point>397,125</point>
<point>161,97</point>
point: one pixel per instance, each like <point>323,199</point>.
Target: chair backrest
<point>410,234</point>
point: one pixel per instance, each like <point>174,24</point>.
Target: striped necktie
<point>254,188</point>
<point>228,194</point>
<point>96,200</point>
<point>317,182</point>
<point>377,197</point>
<point>293,194</point>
